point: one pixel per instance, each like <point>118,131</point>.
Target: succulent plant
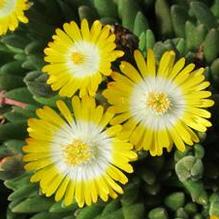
<point>176,185</point>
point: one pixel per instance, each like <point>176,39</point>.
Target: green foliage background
<point>176,185</point>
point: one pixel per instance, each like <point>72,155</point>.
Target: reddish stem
<point>7,101</point>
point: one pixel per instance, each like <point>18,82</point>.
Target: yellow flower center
<point>77,153</point>
<point>78,58</point>
<point>158,102</point>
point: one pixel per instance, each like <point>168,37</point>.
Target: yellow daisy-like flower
<point>161,106</point>
<point>11,13</point>
<point>75,155</point>
<point>79,57</point>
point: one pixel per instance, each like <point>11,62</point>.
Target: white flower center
<point>83,59</point>
<point>157,102</point>
<point>82,150</point>
<point>6,7</point>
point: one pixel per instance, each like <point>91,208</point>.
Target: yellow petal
<point>85,29</point>
<point>69,193</point>
<point>62,189</point>
<point>141,63</point>
<point>130,71</point>
<point>64,111</point>
<point>151,63</point>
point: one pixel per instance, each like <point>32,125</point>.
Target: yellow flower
<point>76,156</point>
<point>159,107</point>
<point>11,12</point>
<point>78,58</point>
